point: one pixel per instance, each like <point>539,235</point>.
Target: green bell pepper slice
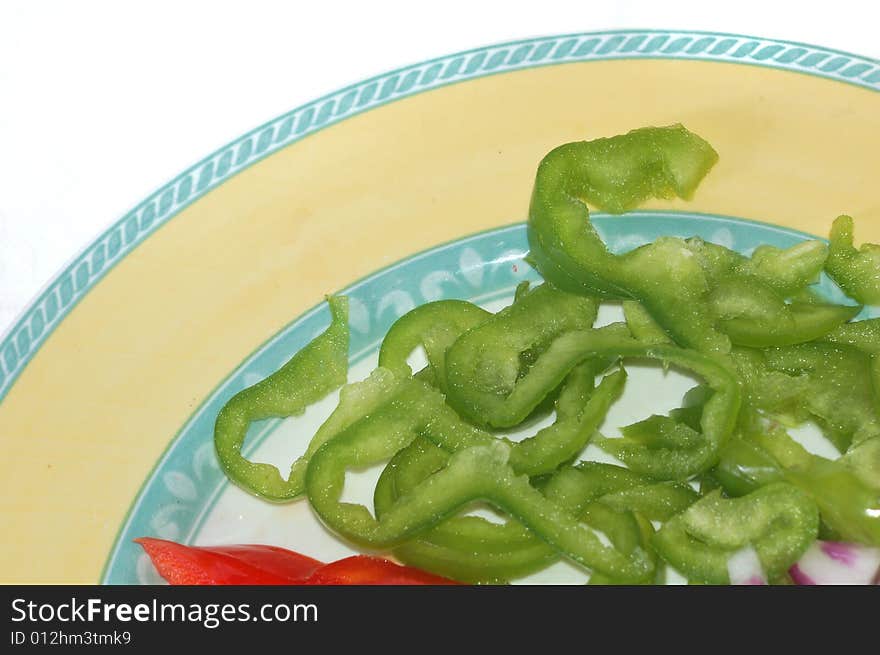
<point>744,466</point>
<point>434,326</point>
<point>642,325</point>
<point>752,313</point>
<point>475,473</point>
<point>616,174</point>
<point>831,383</point>
<point>663,448</point>
<point>864,461</point>
<point>686,286</point>
<point>313,372</point>
<point>717,262</point>
<point>864,335</point>
<point>661,461</point>
<point>847,496</point>
<point>466,548</point>
<point>788,271</point>
<point>839,393</point>
<point>485,363</point>
<point>474,550</point>
<point>778,520</point>
<point>797,323</point>
<point>627,531</point>
<point>856,271</point>
<point>622,489</point>
<point>638,529</point>
<point>579,415</point>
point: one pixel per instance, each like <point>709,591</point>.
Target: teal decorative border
<point>26,336</point>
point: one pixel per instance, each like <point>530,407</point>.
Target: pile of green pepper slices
<point>768,350</point>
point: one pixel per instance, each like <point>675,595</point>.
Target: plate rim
<point>24,337</point>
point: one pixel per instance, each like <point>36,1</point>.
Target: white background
<point>101,102</point>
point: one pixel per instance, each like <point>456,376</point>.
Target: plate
<point>107,381</point>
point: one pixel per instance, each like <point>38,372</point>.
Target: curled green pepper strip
<point>663,461</point>
<point>626,531</point>
<point>475,472</point>
<point>641,325</point>
<point>434,326</point>
<point>778,521</point>
<point>466,548</point>
<point>308,376</point>
<point>754,314</point>
<point>831,383</point>
<point>663,458</point>
<point>521,290</point>
<point>739,297</point>
<point>864,461</point>
<point>356,400</point>
<point>674,280</point>
<point>485,363</point>
<point>580,410</point>
<point>474,550</point>
<point>477,567</point>
<point>620,489</point>
<point>748,295</point>
<point>616,174</point>
<point>635,529</point>
<point>797,323</point>
<point>717,262</point>
<point>415,463</point>
<point>847,497</point>
<point>839,390</point>
<point>579,415</point>
<point>856,271</point>
<point>658,501</point>
<point>787,271</point>
<point>589,481</point>
<point>864,335</point>
<point>744,466</point>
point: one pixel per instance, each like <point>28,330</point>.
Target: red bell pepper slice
<point>367,570</point>
<point>227,565</point>
<point>271,565</point>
